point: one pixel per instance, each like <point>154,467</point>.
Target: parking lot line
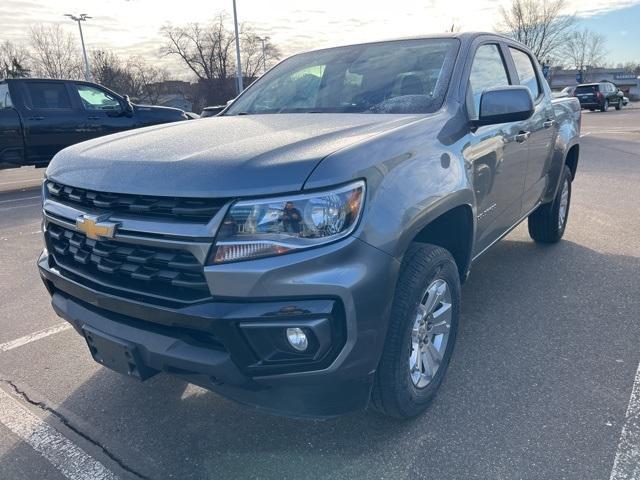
<point>73,462</point>
<point>32,337</point>
<point>19,199</point>
<point>626,465</point>
<point>12,182</point>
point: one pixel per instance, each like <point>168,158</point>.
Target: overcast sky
<point>131,27</point>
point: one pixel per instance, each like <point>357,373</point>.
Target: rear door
<point>51,121</point>
<point>495,153</point>
<point>11,144</point>
<point>103,111</point>
<point>541,128</point>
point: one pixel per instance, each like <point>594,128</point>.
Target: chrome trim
<point>196,238</point>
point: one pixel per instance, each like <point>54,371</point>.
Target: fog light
<point>297,339</point>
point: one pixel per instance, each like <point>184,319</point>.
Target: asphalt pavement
<point>540,386</point>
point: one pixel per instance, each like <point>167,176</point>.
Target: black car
<point>599,96</point>
<point>40,117</point>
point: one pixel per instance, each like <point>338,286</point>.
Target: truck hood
<point>218,156</point>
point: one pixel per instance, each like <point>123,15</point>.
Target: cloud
<point>133,27</point>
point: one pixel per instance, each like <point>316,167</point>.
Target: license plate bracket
<point>116,354</point>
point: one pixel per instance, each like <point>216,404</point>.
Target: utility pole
<point>238,65</point>
<point>264,52</point>
<point>82,18</point>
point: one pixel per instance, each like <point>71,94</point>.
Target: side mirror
<point>504,104</point>
<point>128,107</point>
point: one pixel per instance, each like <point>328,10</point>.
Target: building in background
<point>626,81</point>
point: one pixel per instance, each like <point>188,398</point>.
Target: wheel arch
<point>571,159</point>
<point>453,229</point>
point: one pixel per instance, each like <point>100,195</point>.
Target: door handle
<point>36,118</point>
<point>549,123</point>
<point>522,137</point>
<point>93,118</point>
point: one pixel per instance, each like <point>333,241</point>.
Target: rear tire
<point>421,334</point>
<point>605,106</point>
<point>592,109</point>
<point>548,223</point>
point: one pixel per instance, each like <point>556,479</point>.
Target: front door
<point>496,154</point>
<point>104,113</point>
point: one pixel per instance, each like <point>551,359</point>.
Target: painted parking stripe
<point>626,466</point>
<point>32,337</point>
<point>73,462</point>
<point>19,199</point>
<point>26,180</point>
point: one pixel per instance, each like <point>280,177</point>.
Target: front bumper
<point>348,285</point>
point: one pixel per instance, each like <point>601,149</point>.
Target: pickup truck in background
<point>303,251</point>
<point>39,117</point>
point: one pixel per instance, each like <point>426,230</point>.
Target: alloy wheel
<point>430,333</point>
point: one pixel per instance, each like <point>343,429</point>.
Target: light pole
<point>83,17</point>
<point>238,65</point>
<point>264,52</point>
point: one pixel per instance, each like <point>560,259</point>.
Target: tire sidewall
<point>414,400</point>
<point>566,176</point>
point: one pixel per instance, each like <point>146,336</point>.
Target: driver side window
<point>487,71</point>
<point>97,99</point>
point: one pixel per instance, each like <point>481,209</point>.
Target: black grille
<point>171,274</point>
<point>190,209</point>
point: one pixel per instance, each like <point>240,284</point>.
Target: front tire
<point>548,223</point>
<point>619,105</point>
<point>421,334</point>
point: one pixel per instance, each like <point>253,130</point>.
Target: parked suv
<point>599,95</point>
<point>303,251</point>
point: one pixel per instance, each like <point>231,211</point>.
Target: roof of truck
<point>463,36</point>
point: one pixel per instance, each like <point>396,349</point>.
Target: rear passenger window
<point>487,71</point>
<point>526,71</point>
<point>48,95</point>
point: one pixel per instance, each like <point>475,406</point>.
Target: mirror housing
<point>128,107</point>
<point>504,104</point>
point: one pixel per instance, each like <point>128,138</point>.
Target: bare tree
<point>585,48</point>
<point>108,69</point>
<point>146,80</point>
<point>255,59</point>
<point>55,53</point>
<point>542,25</point>
<point>133,77</point>
<point>14,60</point>
<point>206,50</point>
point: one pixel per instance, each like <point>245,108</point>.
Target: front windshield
<point>407,76</point>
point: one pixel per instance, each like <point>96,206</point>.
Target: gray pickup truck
<point>303,251</point>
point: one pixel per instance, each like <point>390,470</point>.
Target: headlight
<point>274,226</point>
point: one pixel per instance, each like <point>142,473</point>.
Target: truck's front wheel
<point>548,222</point>
<point>422,332</point>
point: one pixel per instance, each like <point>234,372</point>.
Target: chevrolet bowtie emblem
<point>94,228</point>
